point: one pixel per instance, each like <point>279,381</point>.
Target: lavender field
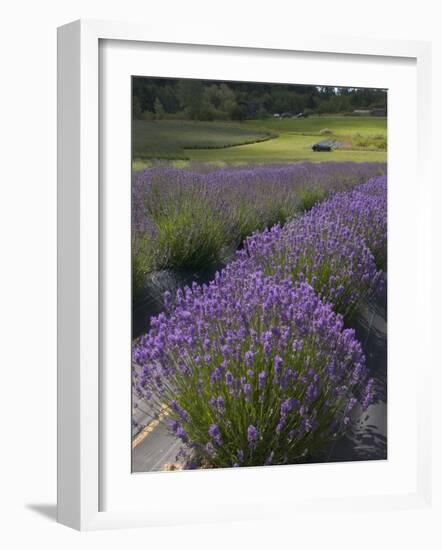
<point>194,219</point>
<point>251,358</point>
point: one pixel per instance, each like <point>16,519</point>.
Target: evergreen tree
<point>158,109</point>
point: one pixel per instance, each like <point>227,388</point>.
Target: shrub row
<point>186,219</point>
<point>257,367</point>
<point>337,247</point>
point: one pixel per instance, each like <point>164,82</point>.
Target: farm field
<point>363,139</point>
<point>245,363</point>
<point>172,139</point>
<point>186,220</point>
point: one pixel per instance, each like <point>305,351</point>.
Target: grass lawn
<point>363,140</point>
<point>340,125</point>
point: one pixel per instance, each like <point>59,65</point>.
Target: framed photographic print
<point>234,220</point>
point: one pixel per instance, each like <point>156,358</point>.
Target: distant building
<point>379,111</point>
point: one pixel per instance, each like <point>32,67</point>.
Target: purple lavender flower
<point>229,378</point>
<point>247,389</point>
<point>178,409</point>
<point>281,424</point>
<point>288,405</point>
<point>252,436</point>
<point>368,394</point>
<point>249,358</point>
<point>210,449</point>
<point>221,404</point>
<point>262,379</point>
<point>181,433</point>
<point>277,362</point>
<point>215,434</point>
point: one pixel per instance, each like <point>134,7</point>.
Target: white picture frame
<point>80,437</point>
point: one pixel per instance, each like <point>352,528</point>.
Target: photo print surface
<point>259,274</point>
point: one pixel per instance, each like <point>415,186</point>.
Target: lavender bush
<point>187,219</point>
<point>333,246</point>
<point>364,212</point>
<point>254,371</point>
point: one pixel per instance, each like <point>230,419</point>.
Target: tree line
<point>156,98</point>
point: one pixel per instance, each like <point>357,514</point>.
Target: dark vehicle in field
<point>326,145</point>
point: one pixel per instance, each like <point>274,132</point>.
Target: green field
<point>173,138</point>
<point>362,139</point>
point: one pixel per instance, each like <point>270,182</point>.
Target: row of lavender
<point>257,367</point>
<point>192,219</point>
